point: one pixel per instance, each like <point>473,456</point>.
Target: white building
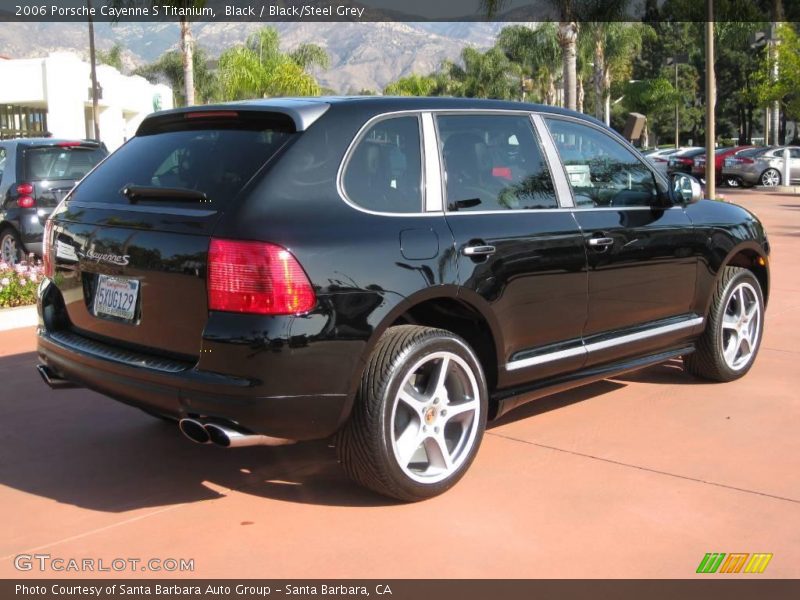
<point>53,94</point>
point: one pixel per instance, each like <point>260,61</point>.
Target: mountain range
<point>365,55</point>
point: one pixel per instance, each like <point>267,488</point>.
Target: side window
<point>601,171</point>
<point>493,162</point>
<point>2,165</point>
<point>384,172</point>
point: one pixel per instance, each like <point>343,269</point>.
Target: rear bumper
<point>191,392</point>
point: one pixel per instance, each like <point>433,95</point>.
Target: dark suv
<point>391,271</point>
<point>35,175</point>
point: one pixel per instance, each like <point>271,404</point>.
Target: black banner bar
<point>395,10</point>
<point>398,589</point>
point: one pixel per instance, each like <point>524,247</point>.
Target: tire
<point>770,178</point>
<point>735,323</point>
<point>10,246</point>
<point>417,444</point>
<point>732,182</point>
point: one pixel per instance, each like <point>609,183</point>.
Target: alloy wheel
<point>741,326</point>
<point>435,417</point>
<point>9,252</point>
<point>771,178</point>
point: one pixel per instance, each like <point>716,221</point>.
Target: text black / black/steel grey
<point>391,271</point>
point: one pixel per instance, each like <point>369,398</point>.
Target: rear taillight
<point>47,251</point>
<point>258,278</point>
<point>747,161</point>
<point>685,161</point>
<point>25,197</point>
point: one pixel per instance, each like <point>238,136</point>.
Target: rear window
<point>56,162</point>
<point>216,158</point>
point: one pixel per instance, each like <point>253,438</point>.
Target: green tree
<point>537,53</point>
<point>169,69</point>
<point>412,85</point>
<point>187,41</point>
<point>786,89</point>
<point>259,69</point>
<point>111,57</point>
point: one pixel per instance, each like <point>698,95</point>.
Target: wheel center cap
<point>430,415</point>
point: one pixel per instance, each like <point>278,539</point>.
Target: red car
<point>699,164</point>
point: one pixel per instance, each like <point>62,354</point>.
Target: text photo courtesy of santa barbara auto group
<point>399,299</point>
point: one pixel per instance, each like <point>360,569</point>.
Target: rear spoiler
<point>286,113</point>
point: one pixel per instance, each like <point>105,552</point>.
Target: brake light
<point>47,254</point>
<point>25,197</point>
<point>25,189</point>
<point>211,114</point>
<point>257,278</point>
<point>69,144</point>
<point>501,172</point>
<point>745,160</point>
<point>685,161</point>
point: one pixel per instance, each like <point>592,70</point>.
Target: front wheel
<point>419,416</point>
<point>771,178</point>
<point>728,346</point>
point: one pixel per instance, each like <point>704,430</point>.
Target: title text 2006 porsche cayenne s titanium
<point>389,271</point>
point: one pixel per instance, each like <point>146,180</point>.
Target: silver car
<point>763,166</point>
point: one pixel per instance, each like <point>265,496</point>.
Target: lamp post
<point>676,60</point>
<point>711,101</point>
<point>93,68</point>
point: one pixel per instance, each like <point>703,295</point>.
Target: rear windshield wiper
<point>135,192</point>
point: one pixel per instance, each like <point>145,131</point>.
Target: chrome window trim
<point>558,174</point>
<point>602,345</point>
<point>349,153</point>
<point>621,141</point>
<point>494,112</point>
<point>433,198</point>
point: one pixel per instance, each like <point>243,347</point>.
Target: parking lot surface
<point>638,476</point>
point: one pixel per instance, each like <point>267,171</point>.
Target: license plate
<point>116,297</point>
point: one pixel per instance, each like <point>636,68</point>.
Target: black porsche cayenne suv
<point>389,271</point>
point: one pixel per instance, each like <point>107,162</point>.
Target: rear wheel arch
<point>442,307</point>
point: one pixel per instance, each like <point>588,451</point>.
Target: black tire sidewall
<point>438,341</point>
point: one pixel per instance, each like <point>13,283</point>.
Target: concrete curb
<point>15,318</point>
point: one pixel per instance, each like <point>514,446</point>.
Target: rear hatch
<point>130,243</point>
<point>53,169</point>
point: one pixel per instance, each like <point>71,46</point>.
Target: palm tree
<point>187,41</point>
<point>614,43</point>
<point>487,74</point>
<point>169,68</point>
<point>412,85</point>
<point>538,53</point>
<point>259,69</point>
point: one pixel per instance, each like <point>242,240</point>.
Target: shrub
<point>18,282</point>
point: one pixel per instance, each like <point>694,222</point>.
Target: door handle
<point>478,250</point>
<point>600,243</point>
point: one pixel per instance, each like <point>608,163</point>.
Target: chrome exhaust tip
<point>194,430</point>
<point>228,437</point>
<point>56,382</point>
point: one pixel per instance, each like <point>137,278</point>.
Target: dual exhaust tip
<point>227,436</point>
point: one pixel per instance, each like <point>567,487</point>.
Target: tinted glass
<point>2,163</point>
<point>384,172</point>
<point>218,162</point>
<point>494,162</point>
<point>601,171</point>
<point>55,162</point>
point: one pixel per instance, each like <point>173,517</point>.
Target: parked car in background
<point>389,271</point>
<point>762,167</point>
<point>699,166</point>
<point>35,175</point>
<point>659,158</point>
<point>683,161</point>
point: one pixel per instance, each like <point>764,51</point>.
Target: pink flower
<point>5,281</point>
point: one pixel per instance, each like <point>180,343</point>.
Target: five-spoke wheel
<point>728,346</point>
<point>419,416</point>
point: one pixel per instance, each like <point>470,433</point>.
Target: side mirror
<point>685,189</point>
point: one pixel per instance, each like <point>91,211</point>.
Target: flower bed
<point>18,282</point>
